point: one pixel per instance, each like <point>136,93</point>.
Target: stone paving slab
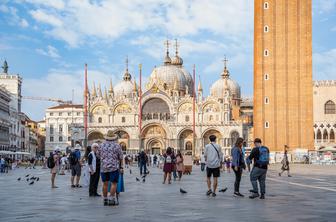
<point>300,198</point>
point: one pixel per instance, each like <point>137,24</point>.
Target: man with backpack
<point>260,157</point>
<point>143,160</point>
<point>213,157</point>
<point>76,169</point>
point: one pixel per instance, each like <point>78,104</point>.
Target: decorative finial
<point>199,84</point>
<point>167,59</point>
<point>127,75</point>
<point>225,73</point>
<point>105,94</point>
<point>5,67</point>
<point>167,46</point>
<point>127,63</point>
<point>100,94</point>
<point>176,47</point>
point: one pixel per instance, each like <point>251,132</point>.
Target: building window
<point>60,128</point>
<point>330,107</point>
<point>266,5</point>
<point>266,77</point>
<point>69,129</point>
<point>100,120</point>
<point>266,28</point>
<point>51,129</point>
<point>266,124</point>
<point>123,119</point>
<point>60,113</point>
<point>266,100</point>
<point>78,113</point>
<point>266,53</point>
<point>51,139</point>
<point>51,114</point>
<point>69,138</point>
<point>187,118</point>
<point>60,138</point>
<point>69,113</point>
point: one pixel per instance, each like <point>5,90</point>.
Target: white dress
<point>86,177</point>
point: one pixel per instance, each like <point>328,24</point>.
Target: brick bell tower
<point>283,110</point>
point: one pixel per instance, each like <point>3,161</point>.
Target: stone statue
<point>5,67</point>
<point>187,90</point>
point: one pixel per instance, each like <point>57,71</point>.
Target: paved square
<point>310,195</point>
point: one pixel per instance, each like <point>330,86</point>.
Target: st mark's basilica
<point>166,108</point>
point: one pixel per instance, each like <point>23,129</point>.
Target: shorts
<point>215,172</point>
<point>76,170</point>
<point>112,177</point>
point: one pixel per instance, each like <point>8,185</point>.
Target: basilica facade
<point>165,112</point>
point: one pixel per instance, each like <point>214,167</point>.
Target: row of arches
<point>324,136</point>
<point>154,139</point>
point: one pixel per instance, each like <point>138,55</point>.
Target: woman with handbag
<point>285,163</point>
<point>238,165</point>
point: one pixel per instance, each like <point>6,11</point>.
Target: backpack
<point>169,159</point>
<point>51,161</point>
<point>263,159</point>
<point>72,158</point>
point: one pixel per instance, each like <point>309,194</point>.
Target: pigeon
<point>143,180</point>
<point>19,179</point>
<point>223,190</point>
<point>183,191</point>
<point>32,178</point>
<point>144,176</point>
<point>27,179</point>
<point>37,179</point>
<point>27,175</point>
<point>31,183</point>
<point>137,179</point>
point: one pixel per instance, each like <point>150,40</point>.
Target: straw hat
<point>111,136</point>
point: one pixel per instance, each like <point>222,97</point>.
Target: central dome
<point>171,76</point>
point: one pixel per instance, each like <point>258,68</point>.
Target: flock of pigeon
<point>30,180</point>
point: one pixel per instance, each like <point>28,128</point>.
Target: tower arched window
<point>187,118</point>
<point>329,107</point>
<point>266,28</point>
<point>266,5</point>
<point>100,120</point>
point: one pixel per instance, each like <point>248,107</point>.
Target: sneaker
<point>255,195</point>
<point>214,194</point>
<point>209,192</point>
<point>105,202</point>
<point>223,190</point>
<point>78,186</point>
<point>262,196</point>
<point>111,202</point>
<point>289,176</point>
<point>97,195</point>
<point>237,194</point>
<point>73,186</point>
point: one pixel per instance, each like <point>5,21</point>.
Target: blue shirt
<point>237,157</point>
<point>77,154</point>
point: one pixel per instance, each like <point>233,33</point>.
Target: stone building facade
<point>163,115</point>
<point>324,113</point>
<point>5,124</point>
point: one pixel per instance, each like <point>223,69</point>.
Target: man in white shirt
<point>213,157</point>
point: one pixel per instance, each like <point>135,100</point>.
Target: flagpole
<point>194,110</point>
<point>140,105</point>
<point>85,107</point>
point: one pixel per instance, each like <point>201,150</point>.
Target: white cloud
<point>325,5</point>
<point>47,18</point>
<point>57,4</point>
<point>24,23</point>
<point>76,21</point>
<point>59,84</point>
<point>324,66</point>
<point>50,51</point>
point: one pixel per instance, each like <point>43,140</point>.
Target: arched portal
<point>153,138</point>
<point>210,132</point>
<point>95,136</point>
<point>156,109</point>
<point>186,142</point>
<point>123,139</point>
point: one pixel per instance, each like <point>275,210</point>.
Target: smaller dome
<point>125,87</point>
<point>167,60</point>
<point>177,61</point>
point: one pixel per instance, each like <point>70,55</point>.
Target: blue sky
<point>48,41</point>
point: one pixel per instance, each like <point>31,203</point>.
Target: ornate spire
<point>176,47</point>
<point>5,67</point>
<point>100,94</point>
<point>127,75</point>
<point>225,73</point>
<point>199,84</point>
<point>94,91</point>
<point>135,88</point>
<point>105,95</point>
<point>167,59</point>
<point>111,87</point>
